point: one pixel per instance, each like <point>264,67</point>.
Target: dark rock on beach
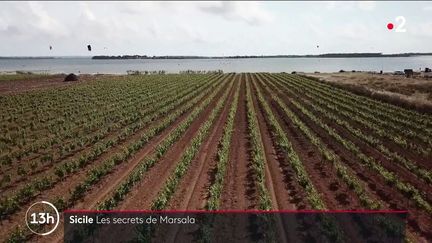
<point>71,77</point>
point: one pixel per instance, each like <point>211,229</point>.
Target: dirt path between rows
<point>193,190</point>
<point>98,191</point>
<point>335,193</point>
<point>107,185</point>
<point>50,169</point>
<point>417,220</point>
<point>390,144</point>
<point>239,188</point>
<point>374,152</point>
<point>401,171</point>
<point>143,194</point>
<point>276,181</point>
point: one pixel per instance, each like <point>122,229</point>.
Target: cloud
<point>422,30</point>
<point>354,32</point>
<point>37,21</point>
<point>351,6</point>
<point>427,8</point>
<point>205,27</point>
<point>11,31</point>
<point>249,12</point>
<point>42,21</point>
<point>86,12</point>
<point>366,5</point>
<point>138,8</point>
<point>192,34</point>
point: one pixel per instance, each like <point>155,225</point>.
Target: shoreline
<point>180,57</point>
<point>122,66</point>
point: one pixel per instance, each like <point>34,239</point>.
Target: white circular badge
<point>42,213</point>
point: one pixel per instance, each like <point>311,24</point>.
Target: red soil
<point>141,197</point>
<point>418,220</point>
<point>276,179</point>
<point>240,192</point>
<point>95,194</point>
<point>25,85</point>
<point>239,189</point>
<point>335,193</point>
<point>49,169</point>
<point>193,191</point>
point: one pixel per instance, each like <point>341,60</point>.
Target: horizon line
<point>223,56</point>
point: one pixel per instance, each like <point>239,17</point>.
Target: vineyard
<point>212,142</point>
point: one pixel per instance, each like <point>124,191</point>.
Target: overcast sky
<point>211,28</point>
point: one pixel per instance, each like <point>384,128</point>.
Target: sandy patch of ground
<point>417,89</point>
<point>11,84</point>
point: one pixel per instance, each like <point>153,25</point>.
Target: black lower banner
<point>233,226</point>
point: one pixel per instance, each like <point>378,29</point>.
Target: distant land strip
<point>328,55</point>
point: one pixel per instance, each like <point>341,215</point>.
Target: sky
<point>212,28</point>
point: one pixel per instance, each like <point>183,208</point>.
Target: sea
<point>90,66</point>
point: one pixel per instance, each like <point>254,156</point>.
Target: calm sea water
<point>87,65</point>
